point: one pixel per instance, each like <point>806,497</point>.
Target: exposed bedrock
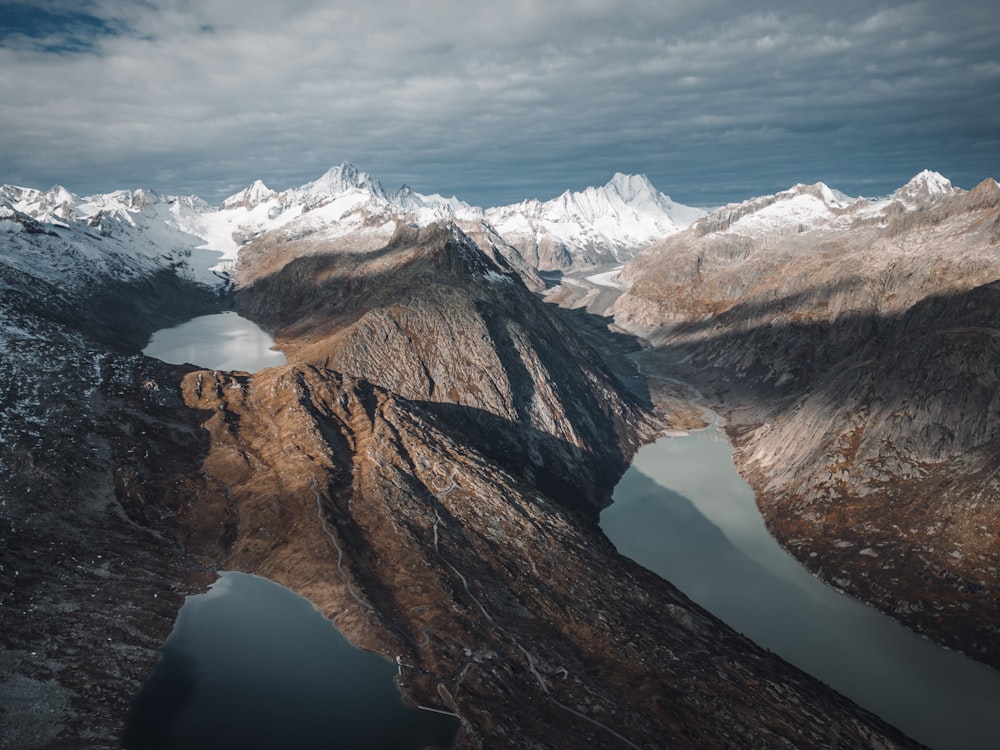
<point>857,364</point>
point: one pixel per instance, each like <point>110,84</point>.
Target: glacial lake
<point>223,341</point>
<point>251,665</point>
<point>683,511</point>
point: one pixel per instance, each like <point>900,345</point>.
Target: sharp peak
<point>249,196</point>
<point>929,177</point>
<point>55,192</point>
<point>346,171</point>
<point>623,184</point>
<point>631,186</point>
<point>257,185</point>
<point>345,167</point>
<point>818,190</point>
<point>925,184</point>
<point>344,176</point>
<point>929,174</point>
<point>623,178</point>
<point>628,187</point>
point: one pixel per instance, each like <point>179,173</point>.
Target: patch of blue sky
<point>52,29</point>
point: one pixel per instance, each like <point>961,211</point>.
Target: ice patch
<point>497,278</point>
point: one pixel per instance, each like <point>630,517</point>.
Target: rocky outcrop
<point>855,357</point>
<point>432,318</point>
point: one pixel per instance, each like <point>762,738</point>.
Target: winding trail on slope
<point>336,545</point>
<point>527,655</point>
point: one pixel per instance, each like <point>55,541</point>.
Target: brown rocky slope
<point>855,357</point>
<point>431,318</point>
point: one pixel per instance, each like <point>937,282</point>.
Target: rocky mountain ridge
<point>852,345</point>
<point>434,319</point>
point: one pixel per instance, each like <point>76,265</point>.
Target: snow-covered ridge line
<point>592,227</point>
<point>611,222</point>
<point>620,217</point>
<point>808,206</point>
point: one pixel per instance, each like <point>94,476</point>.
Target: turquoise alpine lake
<point>684,512</point>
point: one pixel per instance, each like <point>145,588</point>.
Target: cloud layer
<point>715,102</point>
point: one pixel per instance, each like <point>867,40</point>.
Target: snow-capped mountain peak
<point>820,191</point>
<point>578,229</point>
<point>803,207</point>
<point>406,198</point>
<point>56,204</point>
<point>631,187</point>
<point>787,212</point>
<point>925,186</point>
<point>428,208</point>
<point>252,195</point>
<point>595,226</point>
<point>342,179</point>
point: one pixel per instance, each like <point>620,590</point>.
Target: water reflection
<point>252,665</point>
<point>224,341</point>
<point>683,511</point>
<point>161,701</point>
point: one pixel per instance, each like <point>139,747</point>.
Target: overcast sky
<point>495,102</point>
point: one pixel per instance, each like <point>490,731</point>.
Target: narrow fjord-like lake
<point>684,512</point>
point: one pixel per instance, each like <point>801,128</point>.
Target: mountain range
<point>429,465</point>
<point>574,231</point>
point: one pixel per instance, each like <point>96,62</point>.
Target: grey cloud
<point>714,101</point>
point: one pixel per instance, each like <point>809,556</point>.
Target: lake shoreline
<point>760,573</point>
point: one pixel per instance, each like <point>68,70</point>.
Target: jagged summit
<point>343,179</point>
<point>55,204</point>
<point>596,226</point>
<point>819,190</point>
<point>346,181</point>
<point>808,206</point>
<point>629,185</point>
<point>924,187</point>
<point>253,195</point>
<point>406,198</point>
<point>337,181</point>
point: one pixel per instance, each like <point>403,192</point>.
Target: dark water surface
<point>683,511</point>
<point>224,341</point>
<point>251,665</point>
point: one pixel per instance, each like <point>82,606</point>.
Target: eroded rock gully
<point>857,367</point>
<point>453,526</point>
